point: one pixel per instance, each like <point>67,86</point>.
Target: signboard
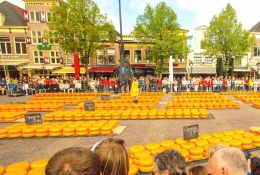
<point>190,132</point>
<point>105,97</point>
<point>89,106</point>
<point>44,47</point>
<point>31,119</point>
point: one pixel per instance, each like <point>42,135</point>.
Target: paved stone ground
<point>137,132</point>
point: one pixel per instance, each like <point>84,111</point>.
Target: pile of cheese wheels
<point>11,116</point>
<point>56,129</point>
<point>24,168</point>
<point>141,156</point>
<point>30,107</point>
<point>126,114</point>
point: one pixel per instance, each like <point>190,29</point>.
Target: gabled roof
<point>13,14</point>
<point>255,28</point>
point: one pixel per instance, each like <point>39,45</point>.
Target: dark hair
<point>198,170</point>
<point>171,161</point>
<point>73,161</point>
<point>113,157</point>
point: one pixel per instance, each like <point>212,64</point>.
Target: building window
<point>111,54</point>
<point>52,38</point>
<point>55,57</point>
<point>257,52</point>
<point>5,45</point>
<point>34,16</point>
<point>208,60</point>
<point>148,56</point>
<point>100,57</point>
<point>20,45</point>
<point>38,57</point>
<point>197,58</point>
<point>138,56</point>
<point>49,16</point>
<point>127,54</point>
<point>36,37</point>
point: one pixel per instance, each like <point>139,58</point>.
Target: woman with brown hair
<point>113,156</point>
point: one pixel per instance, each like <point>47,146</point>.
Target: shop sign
<point>44,47</point>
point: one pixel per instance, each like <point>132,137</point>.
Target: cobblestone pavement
<point>137,132</point>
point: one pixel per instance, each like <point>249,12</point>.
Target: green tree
<point>226,40</point>
<point>159,30</point>
<point>79,26</point>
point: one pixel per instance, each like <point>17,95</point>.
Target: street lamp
<point>258,66</point>
<point>191,67</point>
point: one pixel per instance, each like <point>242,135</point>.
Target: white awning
<point>47,67</point>
<point>203,70</point>
<point>13,62</point>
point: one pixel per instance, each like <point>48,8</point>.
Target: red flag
<point>76,65</point>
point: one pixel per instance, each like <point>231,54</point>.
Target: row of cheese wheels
<point>53,129</point>
<point>256,104</point>
<point>126,114</point>
<point>239,93</point>
<point>58,94</point>
<point>128,100</point>
<point>197,93</point>
<point>67,102</point>
<point>37,167</point>
<point>81,98</point>
<point>30,107</point>
<point>204,105</point>
<point>146,94</point>
<point>141,156</point>
<point>11,116</point>
<point>121,105</point>
<point>201,99</point>
<point>248,99</point>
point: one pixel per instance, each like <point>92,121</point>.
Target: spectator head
<point>113,156</point>
<point>169,162</point>
<point>228,161</point>
<point>73,161</point>
<point>198,170</point>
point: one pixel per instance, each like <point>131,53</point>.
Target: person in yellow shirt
<point>134,90</point>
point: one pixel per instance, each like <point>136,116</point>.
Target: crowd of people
<point>110,157</point>
<point>149,83</point>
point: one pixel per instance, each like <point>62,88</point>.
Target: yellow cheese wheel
<point>217,134</point>
<point>248,134</point>
<point>68,133</point>
<point>42,130</point>
<point>214,140</point>
<point>3,136</point>
<point>201,142</point>
<point>68,129</point>
<point>146,161</point>
<point>37,171</point>
<point>256,139</point>
<point>81,129</point>
<point>14,130</point>
<point>146,169</point>
<point>195,151</point>
<point>136,148</point>
<point>228,133</point>
<point>247,146</point>
<point>133,169</point>
<point>175,147</point>
<point>39,163</point>
<point>94,128</point>
<point>15,135</point>
<point>152,145</point>
<point>235,143</point>
<point>256,145</point>
<point>28,130</point>
<point>18,166</point>
<point>106,132</point>
<point>157,150</point>
<point>187,145</point>
<point>237,136</point>
<point>246,141</point>
<point>16,172</point>
<point>94,132</point>
<point>179,141</point>
<point>167,143</point>
<point>205,136</point>
<point>2,170</point>
<point>81,133</point>
<point>224,143</point>
<point>239,131</point>
<point>55,129</point>
<point>196,157</point>
<point>3,131</point>
<point>55,134</point>
<point>28,135</point>
<point>143,153</point>
<point>226,138</point>
<point>44,134</point>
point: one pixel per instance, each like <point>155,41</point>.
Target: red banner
<point>26,16</point>
<point>76,65</point>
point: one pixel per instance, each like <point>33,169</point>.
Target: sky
<point>190,13</point>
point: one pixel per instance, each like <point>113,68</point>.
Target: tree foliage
<point>226,40</point>
<point>79,26</point>
<point>159,30</point>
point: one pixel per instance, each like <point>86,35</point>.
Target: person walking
<point>134,90</point>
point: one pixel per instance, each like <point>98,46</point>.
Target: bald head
<point>228,161</point>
